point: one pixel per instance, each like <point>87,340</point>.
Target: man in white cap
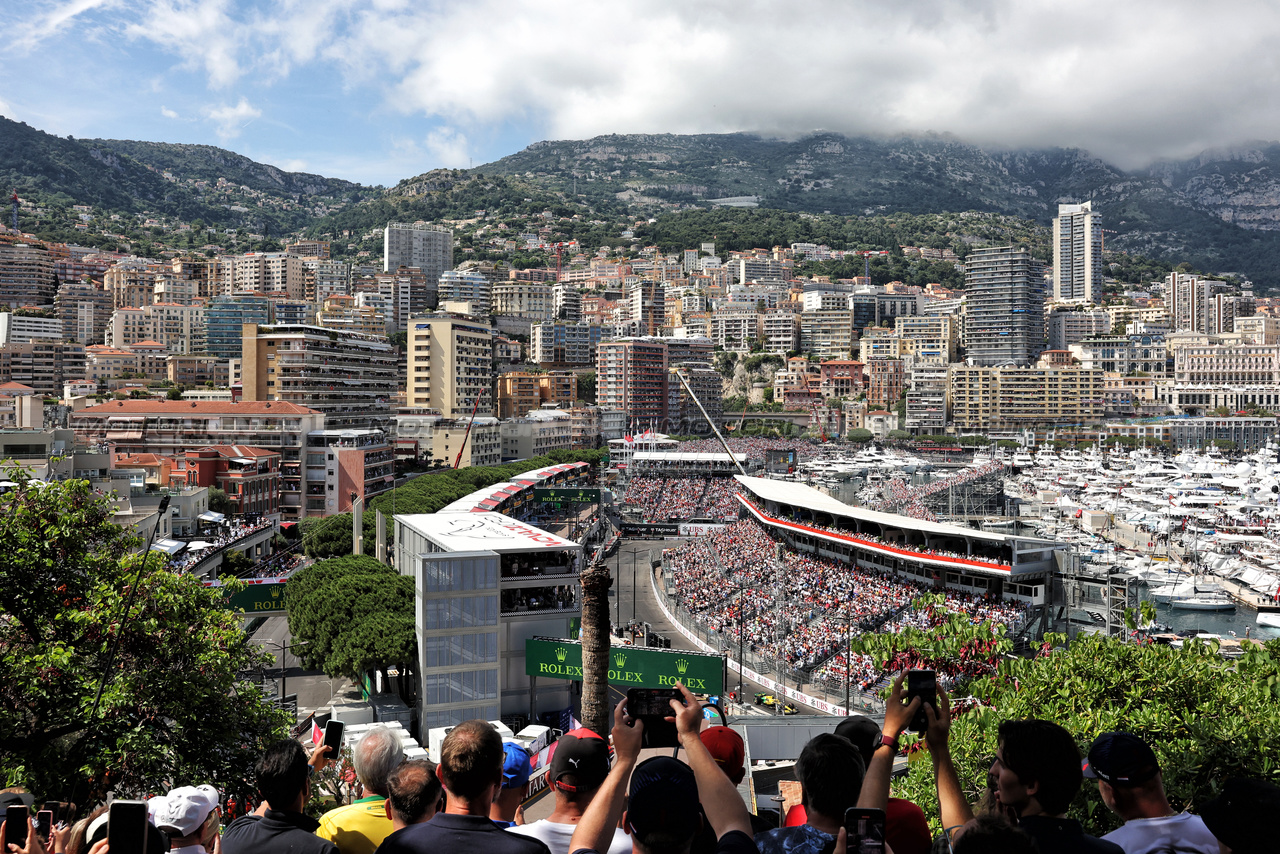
<point>190,816</point>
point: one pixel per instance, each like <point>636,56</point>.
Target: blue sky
<point>380,90</point>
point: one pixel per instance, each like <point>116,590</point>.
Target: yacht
<point>1201,601</point>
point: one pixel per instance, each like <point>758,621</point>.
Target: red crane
<point>463,446</point>
<point>866,259</point>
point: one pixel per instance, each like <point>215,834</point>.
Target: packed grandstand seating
<point>754,448</point>
<point>796,613</point>
<point>928,552</point>
<point>898,496</point>
<point>663,498</point>
<point>228,535</point>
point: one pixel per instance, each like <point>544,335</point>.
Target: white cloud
<point>229,121</point>
<point>203,32</point>
<point>446,146</point>
<point>168,113</point>
<point>50,19</point>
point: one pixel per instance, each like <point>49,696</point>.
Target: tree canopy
<point>174,706</point>
<point>1208,719</point>
<point>352,614</point>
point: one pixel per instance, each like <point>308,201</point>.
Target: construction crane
<point>463,446</point>
<point>1105,232</point>
<point>866,260</point>
<point>558,247</point>
<point>821,422</point>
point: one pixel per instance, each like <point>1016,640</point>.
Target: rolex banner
<point>629,666</point>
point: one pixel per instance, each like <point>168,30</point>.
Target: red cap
<point>726,748</point>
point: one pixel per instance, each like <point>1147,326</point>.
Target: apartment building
<point>538,432</point>
<point>322,278</point>
<point>780,331</point>
<point>1004,298</point>
<point>172,427</point>
<point>345,315</point>
<point>564,343</point>
<point>450,363</point>
<point>348,376</point>
<point>465,286</point>
<point>405,293</point>
<point>24,328</point>
<point>927,410</point>
<point>631,376</point>
<point>1222,364</point>
<point>886,380</point>
<point>1204,398</point>
<point>26,275</point>
<point>42,364</point>
<point>250,477</point>
<point>263,273</point>
<point>683,415</point>
<point>826,334</point>
<point>994,398</point>
<point>1077,254</point>
<point>1124,354</point>
<point>343,466</point>
<point>520,392</point>
<point>1260,329</point>
<point>85,311</point>
<point>195,369</point>
<point>566,302</point>
<point>1204,305</point>
<point>427,247</point>
<point>645,301</point>
<point>180,328</point>
<point>735,327</point>
<point>226,317</point>
<point>531,300</point>
<point>935,337</point>
<point>441,439</point>
<point>1067,326</point>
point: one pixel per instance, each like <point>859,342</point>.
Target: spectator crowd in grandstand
<point>664,498</point>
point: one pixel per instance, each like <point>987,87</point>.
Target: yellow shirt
<point>357,828</point>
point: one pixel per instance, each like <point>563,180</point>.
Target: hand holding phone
<point>15,826</point>
<point>333,738</point>
<point>44,823</point>
<point>864,828</point>
<point>127,826</point>
<point>922,684</point>
<point>653,706</point>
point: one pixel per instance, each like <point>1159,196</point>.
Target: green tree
<point>1208,719</point>
<point>219,502</point>
<point>352,614</point>
<point>587,387</point>
<point>173,706</point>
<point>859,434</point>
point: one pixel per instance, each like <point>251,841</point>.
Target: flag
<point>317,734</point>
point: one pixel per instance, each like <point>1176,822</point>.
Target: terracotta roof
<point>195,407</point>
<point>137,460</point>
<point>16,386</point>
<point>240,451</point>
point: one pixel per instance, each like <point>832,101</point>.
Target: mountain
<point>1219,212</point>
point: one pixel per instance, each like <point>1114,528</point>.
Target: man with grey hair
<point>360,827</point>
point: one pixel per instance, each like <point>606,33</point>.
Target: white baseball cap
<point>184,809</point>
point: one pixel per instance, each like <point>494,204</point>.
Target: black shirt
<point>733,842</point>
<point>457,834</point>
<point>276,831</point>
<point>1064,836</point>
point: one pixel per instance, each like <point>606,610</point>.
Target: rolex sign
<point>629,666</point>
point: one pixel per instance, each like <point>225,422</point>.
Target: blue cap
<point>515,765</point>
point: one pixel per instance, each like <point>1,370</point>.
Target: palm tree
<point>595,648</point>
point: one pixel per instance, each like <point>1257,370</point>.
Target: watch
<point>887,740</point>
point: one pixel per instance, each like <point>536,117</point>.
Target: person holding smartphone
<point>282,774</point>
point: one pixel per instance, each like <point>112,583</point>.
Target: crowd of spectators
<point>899,496</point>
<point>929,551</point>
<point>227,534</point>
<point>663,498</point>
<point>754,448</point>
<point>793,607</point>
<point>685,802</point>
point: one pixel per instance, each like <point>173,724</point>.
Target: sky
<point>381,90</point>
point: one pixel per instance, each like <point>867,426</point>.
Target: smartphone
<point>44,823</point>
<point>15,826</point>
<point>127,826</point>
<point>333,738</point>
<point>865,829</point>
<point>922,684</point>
<point>653,706</point>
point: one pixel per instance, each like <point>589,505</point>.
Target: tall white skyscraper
<point>418,244</point>
<point>1077,253</point>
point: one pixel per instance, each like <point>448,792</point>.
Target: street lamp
<point>284,647</point>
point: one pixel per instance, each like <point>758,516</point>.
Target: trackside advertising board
<point>629,666</point>
<point>567,495</point>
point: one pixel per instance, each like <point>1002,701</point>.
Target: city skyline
<point>384,90</point>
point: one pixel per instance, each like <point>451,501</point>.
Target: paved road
<point>645,608</point>
<point>315,690</point>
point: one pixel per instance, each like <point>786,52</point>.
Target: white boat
<point>1269,620</point>
<point>1204,602</point>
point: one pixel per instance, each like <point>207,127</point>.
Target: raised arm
<point>720,799</point>
<point>875,785</point>
<point>955,811</point>
<point>595,828</point>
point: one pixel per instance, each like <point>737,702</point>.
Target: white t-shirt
<point>557,836</point>
<point>1183,833</point>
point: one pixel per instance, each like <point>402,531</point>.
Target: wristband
<point>887,740</point>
